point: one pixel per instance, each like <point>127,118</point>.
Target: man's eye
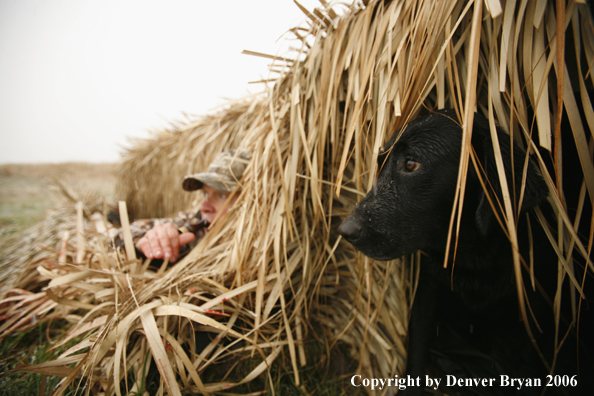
<point>223,196</point>
<point>411,165</point>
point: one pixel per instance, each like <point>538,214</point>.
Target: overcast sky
<point>79,76</point>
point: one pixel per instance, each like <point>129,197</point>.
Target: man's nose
<point>206,206</point>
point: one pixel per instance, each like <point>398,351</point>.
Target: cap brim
<point>190,183</point>
<point>197,181</point>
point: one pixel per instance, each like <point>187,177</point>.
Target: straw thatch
<point>275,263</point>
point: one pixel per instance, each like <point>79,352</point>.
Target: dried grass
<point>185,147</point>
<point>275,263</point>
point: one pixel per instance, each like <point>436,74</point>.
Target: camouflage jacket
<point>184,222</point>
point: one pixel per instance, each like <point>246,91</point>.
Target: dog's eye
<point>411,165</point>
<point>381,158</point>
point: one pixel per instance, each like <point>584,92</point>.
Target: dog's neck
<point>474,270</point>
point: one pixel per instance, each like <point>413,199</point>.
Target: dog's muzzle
<point>351,230</point>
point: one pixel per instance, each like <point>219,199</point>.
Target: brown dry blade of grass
<point>467,124</point>
<point>158,351</point>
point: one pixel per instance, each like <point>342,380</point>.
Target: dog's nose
<point>350,229</point>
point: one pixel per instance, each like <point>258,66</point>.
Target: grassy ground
<point>25,192</point>
<point>30,347</point>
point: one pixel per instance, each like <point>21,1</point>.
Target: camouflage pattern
<point>222,174</point>
<point>184,222</point>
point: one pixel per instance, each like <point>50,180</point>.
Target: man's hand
<point>163,242</point>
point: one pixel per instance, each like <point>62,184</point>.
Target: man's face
<point>213,203</point>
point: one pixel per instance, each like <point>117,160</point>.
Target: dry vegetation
<point>275,266</point>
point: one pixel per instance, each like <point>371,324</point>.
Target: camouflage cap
<point>222,174</point>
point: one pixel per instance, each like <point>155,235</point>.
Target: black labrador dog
<point>466,313</point>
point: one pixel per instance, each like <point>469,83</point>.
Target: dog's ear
<point>535,191</point>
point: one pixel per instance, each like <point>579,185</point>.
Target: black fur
<point>471,305</point>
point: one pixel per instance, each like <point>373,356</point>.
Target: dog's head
<point>409,207</point>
